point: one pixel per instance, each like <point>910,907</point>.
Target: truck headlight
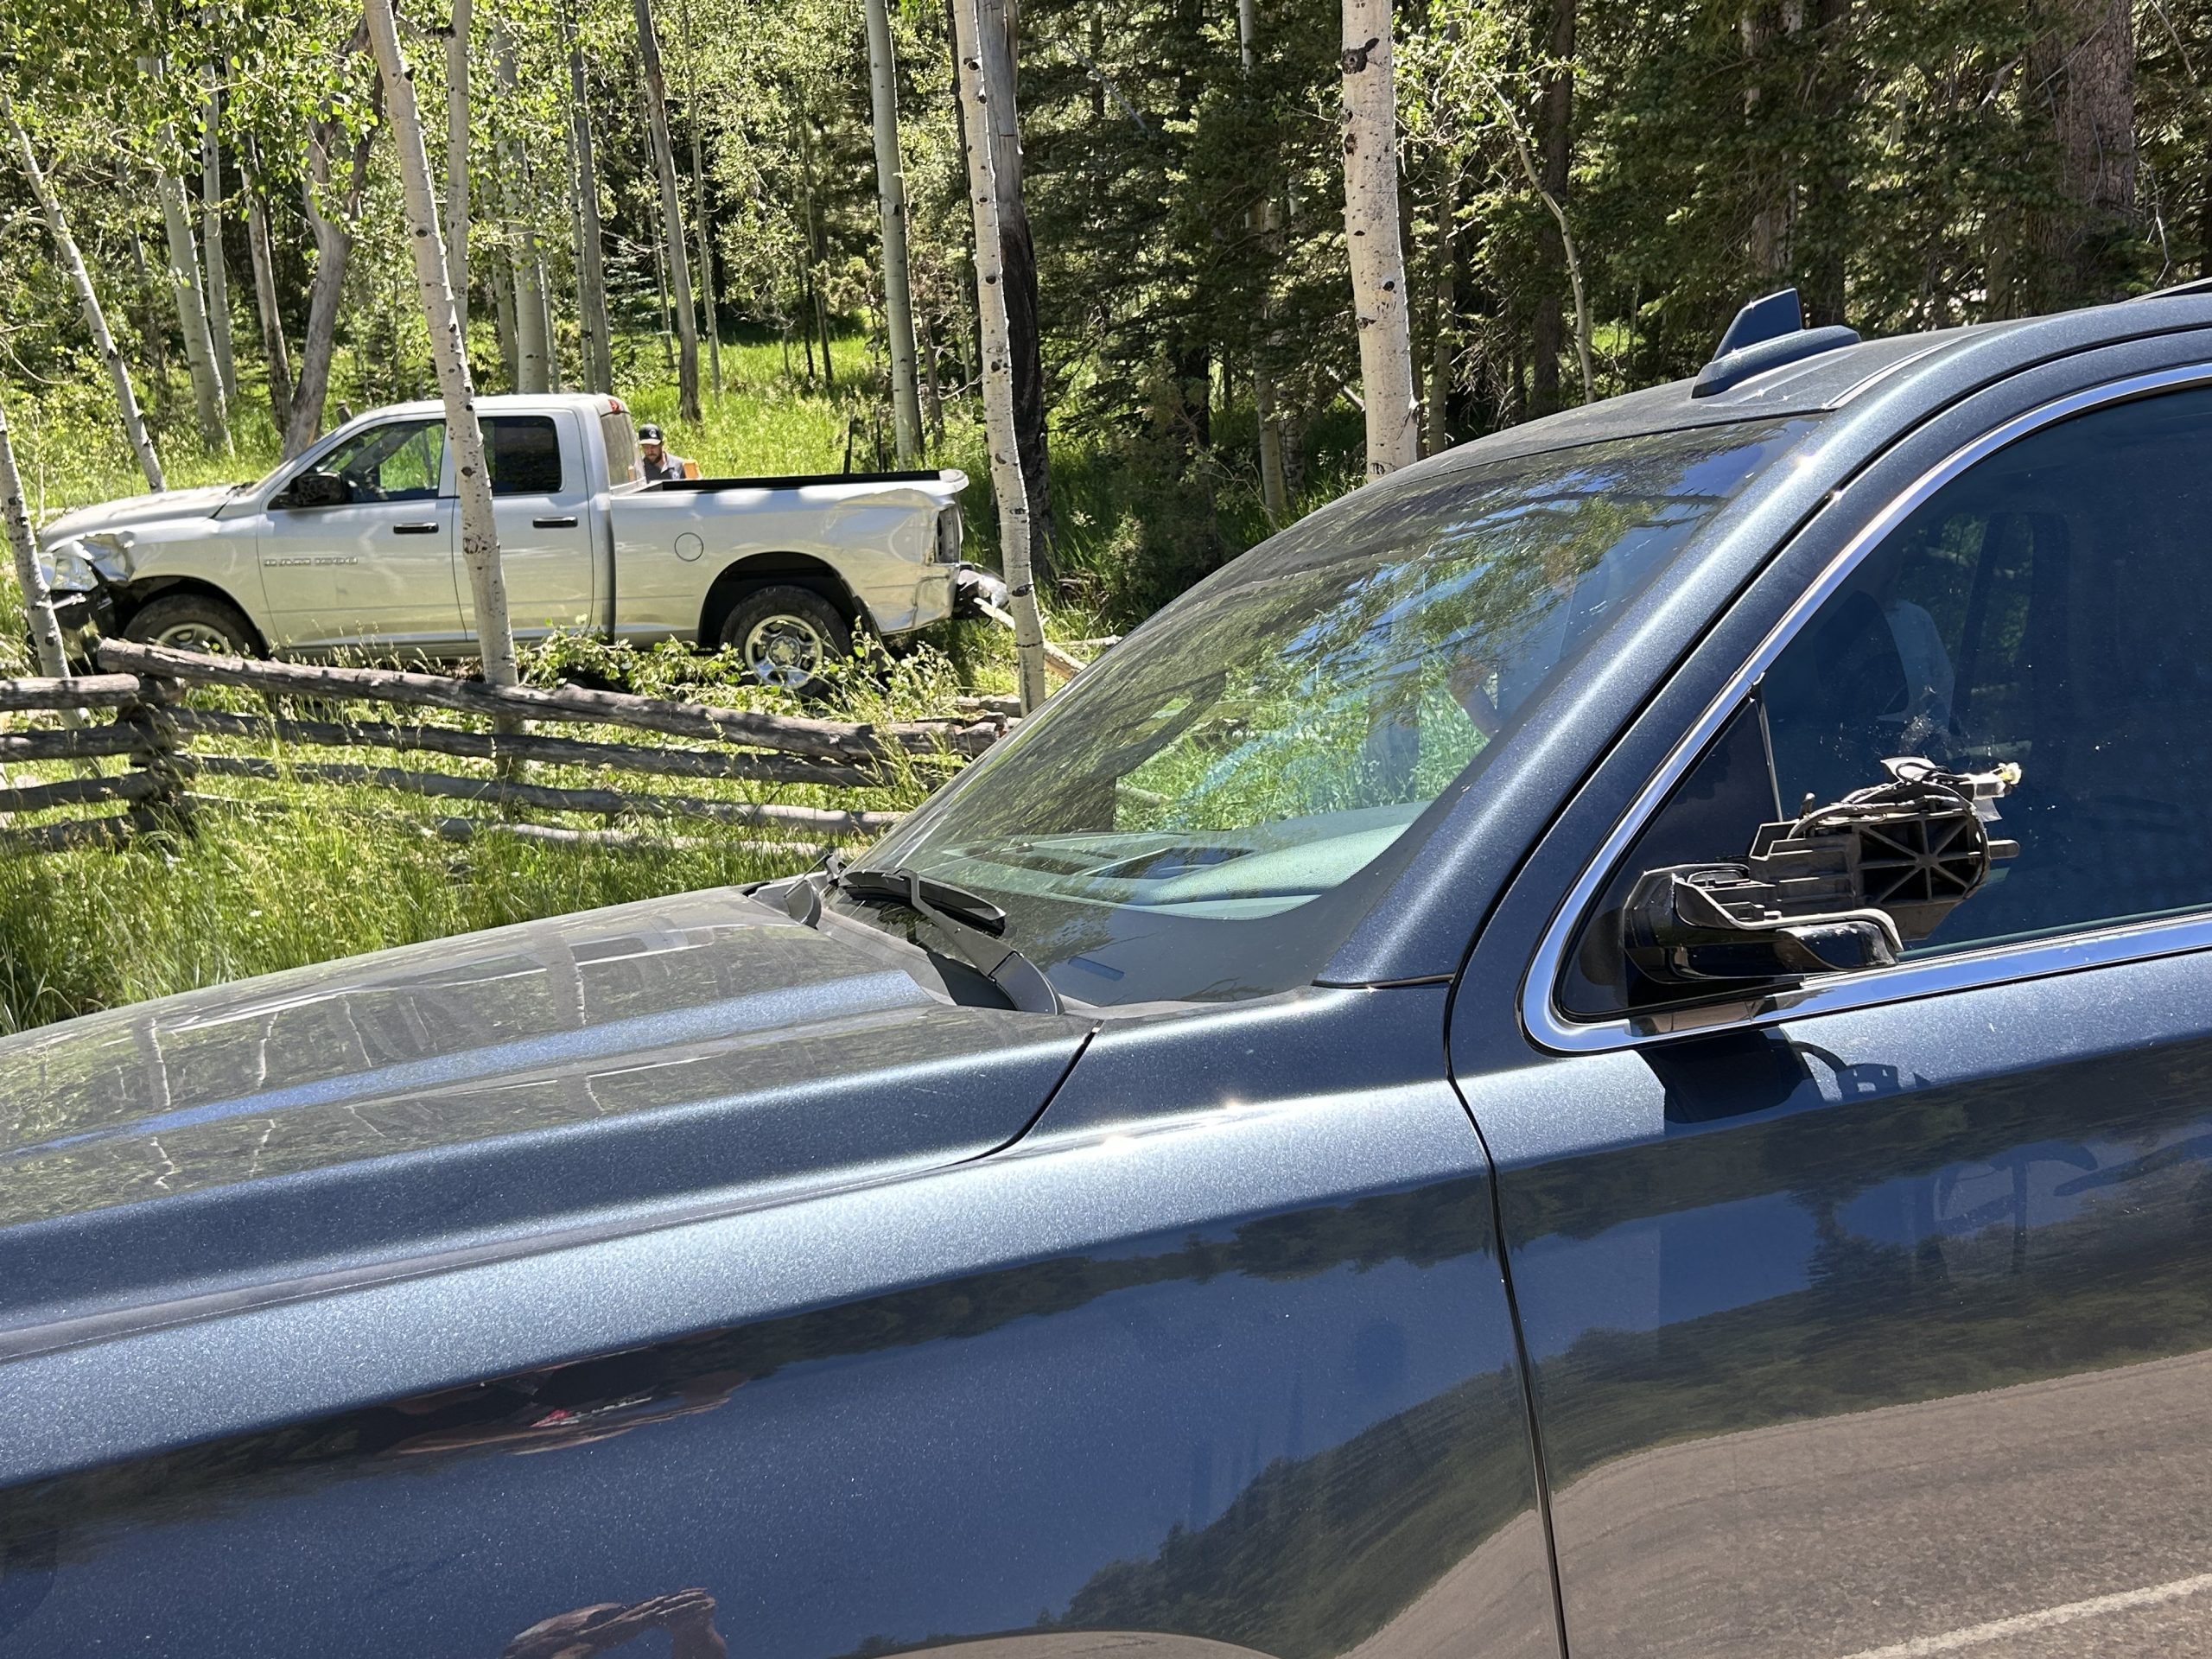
<point>67,570</point>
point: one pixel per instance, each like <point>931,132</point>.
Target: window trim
<point>1553,1028</point>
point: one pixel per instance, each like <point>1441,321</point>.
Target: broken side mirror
<point>1839,889</point>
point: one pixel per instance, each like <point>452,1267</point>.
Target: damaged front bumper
<point>973,587</point>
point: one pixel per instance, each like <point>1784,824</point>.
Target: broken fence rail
<point>155,734</point>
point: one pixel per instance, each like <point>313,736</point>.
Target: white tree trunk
<point>591,267</point>
<point>997,29</point>
<point>333,244</point>
<point>703,224</point>
<point>550,324</point>
<point>672,208</point>
<point>134,423</point>
<point>457,162</point>
<point>479,530</point>
<point>891,203</point>
<point>184,289</point>
<point>38,603</point>
<point>502,282</point>
<point>192,313</point>
<point>1274,484</point>
<point>273,348</point>
<point>520,204</point>
<point>1378,260</point>
<point>1274,495</point>
<point>998,357</point>
<point>218,286</point>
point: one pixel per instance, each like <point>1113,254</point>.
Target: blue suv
<point>1603,1049</point>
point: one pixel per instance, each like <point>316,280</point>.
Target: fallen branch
<point>1058,661</point>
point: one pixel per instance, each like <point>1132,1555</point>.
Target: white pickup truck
<point>355,546</point>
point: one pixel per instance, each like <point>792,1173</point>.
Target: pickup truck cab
<point>356,545</point>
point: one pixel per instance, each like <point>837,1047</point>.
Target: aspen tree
<point>30,576</point>
<point>998,357</point>
<point>531,346</point>
<point>217,274</point>
<point>672,208</point>
<point>1274,493</point>
<point>334,243</point>
<point>1378,261</point>
<point>457,203</point>
<point>273,347</point>
<point>184,289</point>
<point>479,530</point>
<point>64,246</point>
<point>995,29</point>
<point>890,202</point>
<point>1555,139</point>
<point>192,311</point>
<point>703,224</point>
<point>591,267</point>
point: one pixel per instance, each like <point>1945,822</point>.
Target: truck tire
<point>788,637</point>
<point>193,621</point>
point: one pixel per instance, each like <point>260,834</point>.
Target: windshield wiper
<point>957,912</point>
<point>900,886</point>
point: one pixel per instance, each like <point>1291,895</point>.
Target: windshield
<point>1206,813</point>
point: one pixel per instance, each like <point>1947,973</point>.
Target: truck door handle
<point>569,523</point>
<point>430,529</point>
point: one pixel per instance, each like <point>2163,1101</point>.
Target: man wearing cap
<point>655,463</point>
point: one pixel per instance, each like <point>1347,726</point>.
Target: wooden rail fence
<point>168,743</point>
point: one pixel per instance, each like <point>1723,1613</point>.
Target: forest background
<point>1178,279</point>
<point>1585,190</point>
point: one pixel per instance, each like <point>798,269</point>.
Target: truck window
<point>397,462</point>
<point>621,441</point>
<point>525,454</point>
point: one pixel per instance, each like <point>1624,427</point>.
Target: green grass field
<point>287,872</point>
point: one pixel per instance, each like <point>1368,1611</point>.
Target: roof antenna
<point>1767,333</point>
<point>1780,313</point>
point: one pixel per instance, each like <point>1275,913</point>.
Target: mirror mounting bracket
<point>1839,888</point>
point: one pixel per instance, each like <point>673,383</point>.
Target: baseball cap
<point>649,434</point>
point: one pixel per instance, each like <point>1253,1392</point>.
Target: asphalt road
<point>1996,1522</point>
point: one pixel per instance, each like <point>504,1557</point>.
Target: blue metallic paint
<point>1882,1322</point>
<point>1888,1316</point>
<point>1238,1313</point>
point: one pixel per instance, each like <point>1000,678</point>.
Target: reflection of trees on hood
<point>1287,659</point>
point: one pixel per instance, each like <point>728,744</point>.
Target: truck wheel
<point>198,622</point>
<point>788,636</point>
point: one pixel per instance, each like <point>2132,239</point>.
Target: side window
<point>2052,607</point>
<point>398,462</point>
<point>524,452</point>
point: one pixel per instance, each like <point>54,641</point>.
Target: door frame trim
<point>1553,1028</point>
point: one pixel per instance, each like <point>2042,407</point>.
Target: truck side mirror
<point>1839,889</point>
<point>314,490</point>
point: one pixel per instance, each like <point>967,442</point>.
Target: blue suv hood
<point>419,1107</point>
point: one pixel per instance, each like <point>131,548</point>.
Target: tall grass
<point>283,873</point>
<point>287,873</point>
